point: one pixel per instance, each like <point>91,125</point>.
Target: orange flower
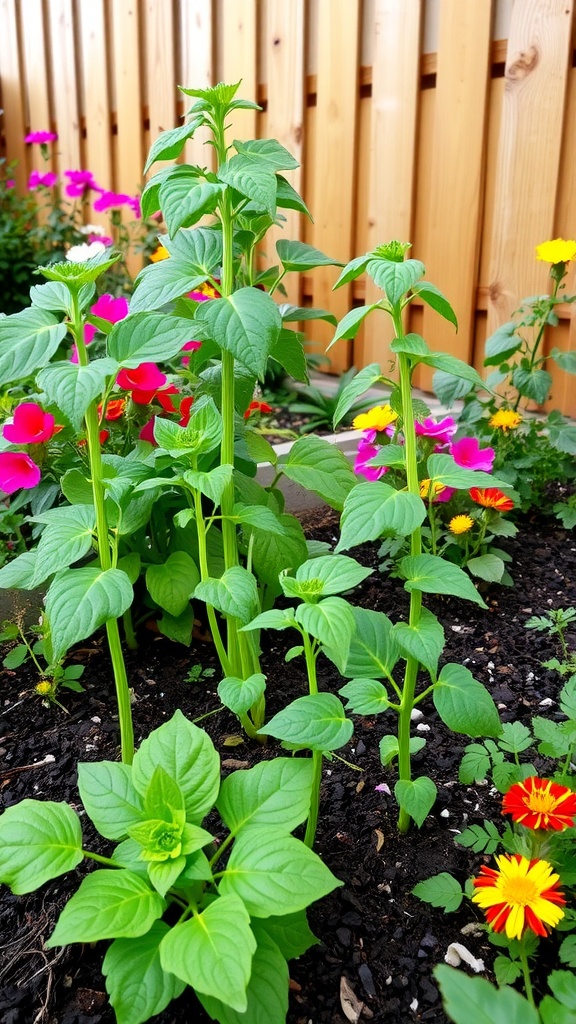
<point>114,409</point>
<point>257,407</point>
<point>161,253</point>
<point>523,895</point>
<point>491,497</point>
<point>104,435</point>
<point>540,804</point>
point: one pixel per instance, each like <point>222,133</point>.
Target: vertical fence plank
<point>454,229</point>
<point>35,77</point>
<point>395,80</point>
<point>96,105</point>
<point>13,117</point>
<point>64,82</point>
<point>159,69</point>
<point>126,102</point>
<point>529,151</point>
<point>238,59</point>
<point>285,110</point>
<point>333,171</point>
<point>197,69</point>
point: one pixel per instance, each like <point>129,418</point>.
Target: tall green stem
<point>411,673</point>
<point>312,823</point>
<point>526,974</point>
<point>104,550</point>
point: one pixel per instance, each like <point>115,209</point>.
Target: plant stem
<point>526,974</point>
<point>204,574</point>
<point>312,822</point>
<point>101,860</point>
<point>104,551</point>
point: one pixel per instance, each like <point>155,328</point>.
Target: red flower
<point>144,380</point>
<point>521,896</point>
<point>114,409</point>
<point>104,435</point>
<point>540,804</point>
<point>491,497</point>
<point>17,470</point>
<point>31,425</point>
<point>257,407</point>
<point>147,432</point>
<point>185,411</point>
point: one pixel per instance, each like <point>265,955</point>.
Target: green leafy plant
<point>321,406</point>
<point>556,622</point>
<point>182,906</point>
<point>52,674</point>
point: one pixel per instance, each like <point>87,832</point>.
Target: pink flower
<point>79,182</point>
<point>113,200</point>
<point>10,183</point>
<point>147,432</point>
<point>190,346</point>
<point>41,137</point>
<point>105,239</point>
<point>47,180</point>
<point>109,308</point>
<point>30,425</point>
<point>142,381</point>
<point>467,452</point>
<point>17,471</point>
<point>441,432</point>
<point>367,450</point>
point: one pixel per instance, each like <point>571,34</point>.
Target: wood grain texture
<point>333,171</point>
<point>159,71</point>
<point>10,72</point>
<point>63,73</point>
<point>126,102</point>
<point>196,43</point>
<point>395,81</point>
<point>96,105</point>
<point>452,235</point>
<point>529,150</point>
<point>238,59</point>
<point>35,76</point>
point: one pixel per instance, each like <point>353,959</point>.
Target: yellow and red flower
<point>261,407</point>
<point>491,497</point>
<point>114,409</point>
<point>540,804</point>
<point>521,896</point>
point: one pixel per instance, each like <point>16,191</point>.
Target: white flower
<point>81,253</point>
<point>91,229</point>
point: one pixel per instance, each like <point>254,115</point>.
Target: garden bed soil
<point>377,941</point>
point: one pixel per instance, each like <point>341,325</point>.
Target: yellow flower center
<point>520,891</point>
<point>541,801</point>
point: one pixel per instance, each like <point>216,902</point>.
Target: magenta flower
<point>30,425</point>
<point>112,200</point>
<point>105,239</point>
<point>17,471</point>
<point>145,379</point>
<point>440,432</point>
<point>79,182</point>
<point>111,309</point>
<point>367,450</point>
<point>41,137</point>
<point>10,183</point>
<point>147,432</point>
<point>190,346</point>
<point>36,179</point>
<point>467,452</point>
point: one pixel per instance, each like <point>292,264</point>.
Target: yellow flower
<point>522,895</point>
<point>376,419</point>
<point>460,524</point>
<point>160,254</point>
<point>505,419</point>
<point>44,688</point>
<point>559,250</point>
<point>425,488</point>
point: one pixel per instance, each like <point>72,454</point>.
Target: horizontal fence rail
<point>447,123</point>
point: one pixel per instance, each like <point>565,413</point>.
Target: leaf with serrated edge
<point>267,992</point>
<point>137,986</point>
<point>39,840</point>
<point>374,507</point>
<point>440,891</point>
<point>72,388</point>
<point>109,798</point>
<point>274,874</point>
<point>314,722</point>
<point>275,793</point>
<point>213,951</point>
<point>81,600</point>
<point>110,904</point>
<point>28,340</point>
<point>66,540</point>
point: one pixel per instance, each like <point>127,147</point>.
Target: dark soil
<point>374,935</point>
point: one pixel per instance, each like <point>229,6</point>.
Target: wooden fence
<point>451,123</point>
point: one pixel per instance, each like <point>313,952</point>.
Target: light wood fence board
<point>453,236</point>
<point>529,150</point>
<point>10,72</point>
<point>35,76</point>
<point>237,59</point>
<point>395,80</point>
<point>96,105</point>
<point>159,71</point>
<point>64,82</point>
<point>334,177</point>
<point>196,41</point>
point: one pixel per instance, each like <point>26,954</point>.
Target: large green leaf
<point>502,344</point>
<point>185,198</point>
<point>487,567</point>
<point>241,694</point>
<point>336,573</point>
<point>202,434</point>
<point>320,467</point>
<point>19,573</point>
<point>73,388</point>
<point>110,904</point>
<point>271,553</point>
<point>81,600</point>
<point>148,337</point>
<point>39,840</point>
<point>172,584</point>
<point>436,300</point>
<point>213,951</point>
<point>28,340</point>
<point>331,622</point>
<point>56,297</point>
<point>170,144</point>
<point>274,873</point>
<point>475,999</point>
<point>269,152</point>
<point>267,991</point>
<point>365,696</point>
<point>416,797</point>
<point>457,367</point>
<point>164,281</point>
<point>423,641</point>
<point>443,469</point>
<point>464,705</point>
<point>373,508</point>
<point>300,257</point>
<point>109,797</point>
<point>289,352</point>
<point>188,756</point>
<point>252,179</point>
<point>366,378</point>
<point>137,986</point>
<point>288,198</point>
<point>395,278</point>
<point>373,649</point>
<point>535,383</point>
<point>234,594</point>
<point>433,575</point>
<point>247,324</point>
<point>275,793</point>
<point>291,933</point>
<point>351,323</point>
<point>212,484</point>
<point>66,539</point>
<point>314,722</point>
